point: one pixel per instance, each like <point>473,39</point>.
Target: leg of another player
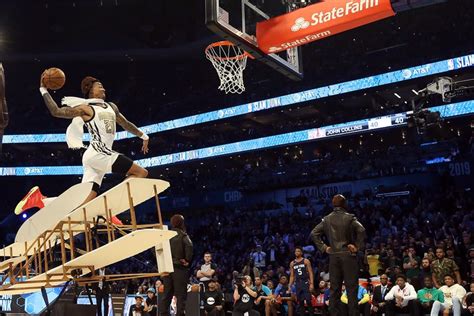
<point>291,308</point>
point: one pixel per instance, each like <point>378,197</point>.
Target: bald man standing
<point>175,284</point>
<point>346,236</point>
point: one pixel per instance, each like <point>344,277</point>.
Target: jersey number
<point>109,126</point>
<point>299,271</point>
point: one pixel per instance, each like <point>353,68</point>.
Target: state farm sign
<point>318,21</point>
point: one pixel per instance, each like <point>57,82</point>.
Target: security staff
<point>175,284</point>
<point>346,236</point>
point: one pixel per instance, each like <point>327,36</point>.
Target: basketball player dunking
<point>100,119</point>
<point>301,275</point>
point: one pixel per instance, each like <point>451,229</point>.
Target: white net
<point>229,61</point>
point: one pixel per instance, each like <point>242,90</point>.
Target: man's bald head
<point>339,201</point>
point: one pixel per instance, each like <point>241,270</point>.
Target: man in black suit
<point>346,237</point>
<point>102,291</point>
<point>175,284</point>
<point>378,299</point>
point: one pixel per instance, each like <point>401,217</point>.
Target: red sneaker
<point>34,198</point>
<point>116,221</point>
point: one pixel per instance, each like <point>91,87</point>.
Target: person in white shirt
<point>402,298</point>
<point>453,295</point>
<point>259,257</point>
<point>207,271</point>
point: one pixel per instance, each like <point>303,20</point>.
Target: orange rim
<point>226,43</point>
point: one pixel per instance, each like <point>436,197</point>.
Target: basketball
<point>54,78</point>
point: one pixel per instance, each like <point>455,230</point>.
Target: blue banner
<point>394,120</point>
<point>281,101</point>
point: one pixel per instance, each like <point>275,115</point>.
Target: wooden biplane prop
<point>85,242</point>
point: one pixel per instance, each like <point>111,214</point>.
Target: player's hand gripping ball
<point>53,78</point>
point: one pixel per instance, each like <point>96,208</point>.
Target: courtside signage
<point>318,21</point>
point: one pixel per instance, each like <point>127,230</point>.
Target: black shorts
<point>122,164</point>
<point>302,292</point>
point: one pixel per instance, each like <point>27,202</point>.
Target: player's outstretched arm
<point>126,124</point>
<point>130,127</point>
<point>66,112</point>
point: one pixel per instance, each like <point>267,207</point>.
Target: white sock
<point>48,200</point>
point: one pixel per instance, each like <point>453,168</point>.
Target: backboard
<point>235,21</point>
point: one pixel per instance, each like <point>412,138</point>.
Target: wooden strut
<point>35,255</point>
<point>27,264</point>
<point>10,273</point>
<point>21,271</point>
<point>46,242</point>
<point>4,278</point>
<point>50,251</point>
<point>111,225</point>
<point>107,220</point>
<point>158,208</point>
<point>141,226</point>
<point>43,252</point>
<point>132,208</point>
<point>71,237</point>
<point>86,228</point>
<point>92,279</point>
<point>87,266</point>
<point>39,256</point>
<point>48,278</point>
<point>63,253</point>
<point>120,277</point>
<point>96,237</point>
<point>78,250</point>
<point>46,266</point>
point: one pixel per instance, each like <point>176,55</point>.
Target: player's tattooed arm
<point>126,124</point>
<point>64,112</point>
<point>83,110</point>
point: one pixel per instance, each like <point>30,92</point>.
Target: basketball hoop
<point>229,61</point>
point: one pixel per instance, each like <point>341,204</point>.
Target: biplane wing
<point>113,252</point>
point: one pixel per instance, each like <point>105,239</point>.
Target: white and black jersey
<point>99,156</point>
<point>102,128</point>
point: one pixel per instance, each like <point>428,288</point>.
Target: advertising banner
<point>318,21</point>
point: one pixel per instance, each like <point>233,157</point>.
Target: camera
<point>239,279</point>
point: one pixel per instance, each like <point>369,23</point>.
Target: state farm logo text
<point>318,18</point>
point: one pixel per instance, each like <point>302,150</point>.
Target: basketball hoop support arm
<point>243,40</point>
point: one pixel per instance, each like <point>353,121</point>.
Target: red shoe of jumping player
<point>34,198</point>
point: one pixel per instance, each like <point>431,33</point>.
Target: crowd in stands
<point>419,247</point>
<point>405,233</point>
<point>292,166</point>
